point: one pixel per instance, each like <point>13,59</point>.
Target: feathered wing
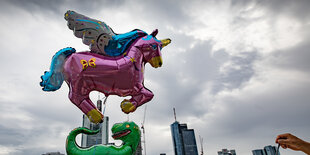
<point>94,33</point>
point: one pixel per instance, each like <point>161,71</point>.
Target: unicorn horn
<point>165,42</point>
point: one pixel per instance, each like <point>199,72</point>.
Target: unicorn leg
<point>87,107</point>
<point>91,111</point>
<point>137,100</point>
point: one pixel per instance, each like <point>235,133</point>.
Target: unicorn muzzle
<point>156,62</point>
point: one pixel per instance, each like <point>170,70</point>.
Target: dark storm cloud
<point>33,6</point>
<point>56,8</point>
<point>182,79</point>
<point>167,13</point>
<point>239,71</point>
<point>294,58</point>
<point>9,136</point>
<point>153,10</point>
<point>297,9</point>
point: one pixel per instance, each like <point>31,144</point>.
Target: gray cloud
<point>256,97</point>
<point>50,8</point>
<point>238,71</point>
<point>294,58</point>
<point>297,9</point>
<point>57,7</point>
<point>189,70</point>
<point>9,136</point>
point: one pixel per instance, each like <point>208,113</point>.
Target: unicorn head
<point>150,47</point>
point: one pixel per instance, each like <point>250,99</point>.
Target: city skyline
<point>237,71</point>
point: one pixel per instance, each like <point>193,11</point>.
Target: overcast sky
<point>237,71</point>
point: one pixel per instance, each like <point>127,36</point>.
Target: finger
<point>283,136</point>
<point>284,141</point>
<point>280,137</point>
<point>283,146</point>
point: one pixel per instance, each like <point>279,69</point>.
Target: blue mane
<point>119,43</point>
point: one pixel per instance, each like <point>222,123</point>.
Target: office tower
<point>100,138</point>
<point>258,152</point>
<point>184,141</point>
<point>177,139</point>
<point>226,152</point>
<point>268,150</point>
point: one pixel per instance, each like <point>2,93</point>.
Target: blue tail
<point>53,79</point>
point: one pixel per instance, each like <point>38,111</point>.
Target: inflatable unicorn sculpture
<point>114,65</point>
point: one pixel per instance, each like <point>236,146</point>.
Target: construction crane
<point>175,116</point>
<point>143,131</point>
<point>201,143</point>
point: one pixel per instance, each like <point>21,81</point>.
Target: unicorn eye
<point>154,47</point>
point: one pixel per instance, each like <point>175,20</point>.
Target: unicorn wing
<point>94,33</point>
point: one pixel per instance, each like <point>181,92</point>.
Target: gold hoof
<point>95,116</point>
<point>127,106</point>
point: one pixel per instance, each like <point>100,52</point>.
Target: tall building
<point>258,152</point>
<point>184,140</point>
<point>268,150</point>
<point>226,152</point>
<point>102,137</point>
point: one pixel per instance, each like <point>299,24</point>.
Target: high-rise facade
<point>258,152</point>
<point>268,150</point>
<point>226,152</point>
<point>102,137</point>
<point>184,140</point>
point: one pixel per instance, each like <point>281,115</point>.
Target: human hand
<point>288,140</point>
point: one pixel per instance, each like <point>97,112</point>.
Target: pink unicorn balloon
<point>122,75</point>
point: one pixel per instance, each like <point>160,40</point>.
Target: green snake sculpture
<point>128,132</point>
